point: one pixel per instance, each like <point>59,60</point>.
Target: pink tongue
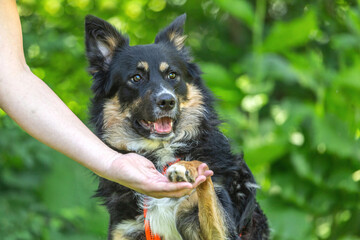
<point>163,125</point>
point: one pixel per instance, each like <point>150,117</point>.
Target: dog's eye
<point>136,78</point>
<point>172,75</point>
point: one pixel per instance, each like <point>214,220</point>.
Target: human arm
<point>42,114</point>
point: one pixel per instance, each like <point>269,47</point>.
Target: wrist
<point>105,170</point>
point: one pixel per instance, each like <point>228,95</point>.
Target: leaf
<point>238,8</point>
<point>285,35</point>
<point>345,41</point>
<point>216,75</point>
<point>227,96</point>
<point>265,153</point>
<point>279,68</point>
<point>350,238</point>
<point>64,189</point>
<point>301,165</point>
<point>286,222</point>
<point>341,179</point>
<point>334,135</point>
<point>349,77</point>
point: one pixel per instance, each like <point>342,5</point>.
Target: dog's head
<point>148,92</point>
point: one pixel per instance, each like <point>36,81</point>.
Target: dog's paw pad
<point>179,173</point>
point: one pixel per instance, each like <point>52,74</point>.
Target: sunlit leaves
<point>157,5</point>
<point>285,35</point>
<point>253,103</point>
<point>238,8</point>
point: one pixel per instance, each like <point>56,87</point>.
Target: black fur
<point>112,67</point>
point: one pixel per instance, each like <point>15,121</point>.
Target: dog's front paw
<point>182,171</point>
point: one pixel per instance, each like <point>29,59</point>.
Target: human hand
<point>138,173</point>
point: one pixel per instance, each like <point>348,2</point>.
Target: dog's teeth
<point>152,127</point>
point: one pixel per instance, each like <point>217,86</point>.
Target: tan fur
<point>163,66</point>
<point>194,98</point>
<point>112,114</point>
<point>211,218</point>
<point>192,110</point>
<point>117,127</point>
<point>143,65</point>
<point>117,235</point>
<point>177,39</point>
<point>210,213</point>
<point>112,43</point>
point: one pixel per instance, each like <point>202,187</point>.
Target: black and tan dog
<point>150,99</point>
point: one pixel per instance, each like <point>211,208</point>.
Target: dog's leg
<point>211,224</point>
<point>210,212</point>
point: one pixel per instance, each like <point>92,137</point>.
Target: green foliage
<point>288,76</point>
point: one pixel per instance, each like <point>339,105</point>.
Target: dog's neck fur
<point>161,152</point>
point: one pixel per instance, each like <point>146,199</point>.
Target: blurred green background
<point>288,76</point>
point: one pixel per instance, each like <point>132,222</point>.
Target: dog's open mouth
<point>161,126</point>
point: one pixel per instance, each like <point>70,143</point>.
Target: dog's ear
<point>101,40</point>
<point>173,33</point>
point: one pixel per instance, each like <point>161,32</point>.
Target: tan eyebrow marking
<point>143,65</point>
<point>163,66</point>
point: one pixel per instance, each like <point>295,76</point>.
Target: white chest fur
<point>161,215</point>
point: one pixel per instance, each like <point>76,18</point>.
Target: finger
<point>200,179</point>
<point>168,187</point>
<point>203,173</point>
<point>208,173</point>
<point>201,168</point>
<point>172,194</point>
<point>181,193</point>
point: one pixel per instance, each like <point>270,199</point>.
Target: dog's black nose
<point>166,101</point>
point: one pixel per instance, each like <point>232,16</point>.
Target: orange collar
<point>149,235</point>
